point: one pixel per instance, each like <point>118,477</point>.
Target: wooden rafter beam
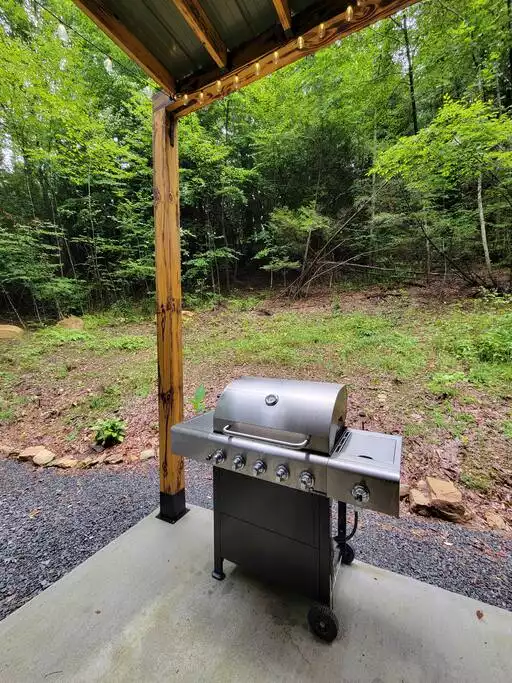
<point>197,19</point>
<point>117,31</point>
<point>283,12</point>
<point>271,52</point>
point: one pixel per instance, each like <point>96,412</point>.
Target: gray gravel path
<point>50,521</point>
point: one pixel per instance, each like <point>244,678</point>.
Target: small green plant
<point>198,399</point>
<point>109,399</point>
<point>414,429</point>
<point>476,482</point>
<point>507,429</point>
<point>243,303</point>
<point>129,343</point>
<point>109,432</point>
<point>495,345</point>
<point>445,384</point>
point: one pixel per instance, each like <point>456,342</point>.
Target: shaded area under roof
<point>200,50</point>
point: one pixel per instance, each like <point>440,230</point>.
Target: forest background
<point>388,154</point>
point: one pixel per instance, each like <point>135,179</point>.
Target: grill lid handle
<point>289,444</point>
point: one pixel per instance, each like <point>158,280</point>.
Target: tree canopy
<point>390,150</point>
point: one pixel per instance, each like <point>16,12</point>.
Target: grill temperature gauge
<point>282,473</point>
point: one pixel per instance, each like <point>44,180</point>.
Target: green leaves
<point>108,433</point>
<point>262,172</point>
<point>198,399</point>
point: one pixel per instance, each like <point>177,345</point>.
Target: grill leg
<point>342,525</point>
<point>346,552</point>
<point>325,552</point>
<point>218,560</point>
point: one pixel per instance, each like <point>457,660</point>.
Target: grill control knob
<point>218,456</point>
<point>238,462</point>
<point>282,473</point>
<point>259,467</point>
<point>306,480</point>
<point>360,493</point>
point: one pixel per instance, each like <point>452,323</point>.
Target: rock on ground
<point>44,457</point>
<point>72,322</point>
<point>9,451</point>
<point>39,455</point>
<point>65,463</point>
<point>11,332</point>
<point>28,453</point>
<point>495,521</point>
<point>419,502</point>
<point>446,500</point>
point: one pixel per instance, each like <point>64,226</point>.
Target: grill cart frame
<point>282,536</point>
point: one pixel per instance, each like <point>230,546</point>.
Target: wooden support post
<point>168,300</point>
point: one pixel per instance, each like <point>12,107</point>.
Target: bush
<point>495,345</point>
<point>109,432</point>
<point>444,384</point>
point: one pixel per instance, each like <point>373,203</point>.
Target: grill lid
<point>291,413</point>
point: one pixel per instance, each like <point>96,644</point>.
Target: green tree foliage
<point>275,177</point>
<point>466,146</point>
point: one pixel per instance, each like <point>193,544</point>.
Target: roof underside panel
<point>239,21</point>
<point>201,50</point>
<point>159,25</point>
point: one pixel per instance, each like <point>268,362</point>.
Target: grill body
<point>281,453</point>
<point>282,535</point>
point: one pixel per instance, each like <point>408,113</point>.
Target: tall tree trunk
<point>483,230</point>
<point>410,72</point>
<point>222,211</point>
<point>427,244</point>
<point>508,96</point>
<point>374,190</point>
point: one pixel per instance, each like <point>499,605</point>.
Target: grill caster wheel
<point>323,622</point>
<point>348,554</point>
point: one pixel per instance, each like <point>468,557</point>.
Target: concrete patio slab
<point>145,609</point>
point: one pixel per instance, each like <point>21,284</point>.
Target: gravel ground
<point>50,521</point>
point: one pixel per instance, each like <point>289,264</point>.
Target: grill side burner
<point>289,442</point>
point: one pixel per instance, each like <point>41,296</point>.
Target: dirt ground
<point>55,389</point>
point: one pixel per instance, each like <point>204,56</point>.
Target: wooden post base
<point>172,506</point>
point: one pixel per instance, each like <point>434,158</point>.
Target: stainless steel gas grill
<point>280,452</point>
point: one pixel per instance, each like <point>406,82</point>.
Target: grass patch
<point>479,341</point>
<point>477,482</point>
<point>298,340</point>
<point>443,384</point>
<point>413,429</point>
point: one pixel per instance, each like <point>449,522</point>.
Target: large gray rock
<point>147,454</point>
